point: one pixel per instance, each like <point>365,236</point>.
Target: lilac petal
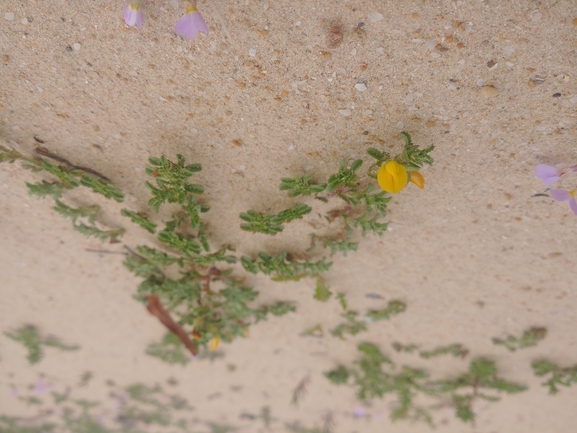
<point>560,194</point>
<point>128,16</point>
<point>190,24</point>
<point>548,173</point>
<point>573,205</point>
<point>139,19</point>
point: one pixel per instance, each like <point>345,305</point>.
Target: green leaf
<point>529,338</point>
<point>258,223</point>
<point>66,175</point>
<point>393,308</point>
<point>102,235</point>
<point>301,186</point>
<point>344,177</point>
<point>456,350</point>
<point>54,189</point>
<point>322,293</point>
<point>185,245</point>
<point>342,300</point>
<point>296,211</point>
<point>338,376</point>
<point>140,219</point>
<point>74,213</point>
<point>100,187</point>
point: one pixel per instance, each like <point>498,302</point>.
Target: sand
<point>475,255</point>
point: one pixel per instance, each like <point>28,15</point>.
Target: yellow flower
<point>213,344</point>
<point>418,179</point>
<point>392,177</point>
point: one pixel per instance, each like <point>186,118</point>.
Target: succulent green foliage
<point>172,181</point>
<point>529,338</point>
<point>193,209</point>
<point>99,187</point>
<point>381,157</point>
<point>170,350</point>
<point>101,235</point>
<point>272,224</point>
<point>322,292</point>
<point>482,375</point>
<point>185,244</point>
<point>412,157</point>
<point>346,176</point>
<point>352,326</point>
<point>456,350</point>
<point>393,308</point>
<point>30,337</point>
<point>43,189</point>
<point>301,186</point>
<point>558,376</point>
<point>75,213</point>
<point>140,219</point>
<point>282,267</point>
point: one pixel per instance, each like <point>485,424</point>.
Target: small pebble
<point>9,16</point>
<point>24,21</point>
<point>346,112</point>
<point>252,52</point>
<point>361,87</point>
<point>76,46</point>
<point>297,24</point>
<point>354,52</point>
<point>380,50</point>
<point>400,125</point>
<point>573,100</point>
<point>556,95</point>
<point>375,17</point>
<point>489,91</point>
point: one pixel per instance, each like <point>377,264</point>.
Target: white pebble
<point>9,16</point>
<point>252,52</point>
<point>573,100</point>
<point>375,17</point>
<point>380,50</point>
<point>361,87</point>
<point>354,52</point>
<point>291,147</point>
<point>510,64</point>
<point>346,112</point>
<point>400,125</point>
<point>431,45</point>
<point>298,24</point>
<point>24,21</point>
<point>76,46</point>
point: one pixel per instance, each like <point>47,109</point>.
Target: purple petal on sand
<point>573,205</point>
<point>560,194</point>
<point>190,24</point>
<point>548,173</point>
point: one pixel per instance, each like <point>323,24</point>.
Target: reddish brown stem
<point>155,308</point>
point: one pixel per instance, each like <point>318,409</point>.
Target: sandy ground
<point>474,256</point>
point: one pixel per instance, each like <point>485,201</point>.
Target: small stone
<point>76,46</point>
<point>298,24</point>
<point>573,100</point>
<point>9,16</point>
<point>489,91</point>
<point>5,58</point>
<point>252,52</point>
<point>575,21</point>
<point>375,17</point>
<point>354,52</point>
<point>291,147</point>
<point>491,63</point>
<point>361,87</point>
<point>24,21</point>
<point>346,112</point>
<point>556,95</point>
<point>400,125</point>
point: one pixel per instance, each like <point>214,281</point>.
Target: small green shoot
<point>272,224</point>
<point>529,338</point>
<point>140,219</point>
<point>322,292</point>
<point>31,338</point>
<point>559,376</point>
<point>352,326</point>
<point>392,309</point>
<point>456,350</point>
<point>301,186</point>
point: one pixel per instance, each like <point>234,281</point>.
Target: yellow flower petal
<point>213,344</point>
<point>392,177</point>
<point>418,179</point>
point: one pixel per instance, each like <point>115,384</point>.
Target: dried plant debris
<point>558,376</point>
<point>529,338</point>
<point>30,337</point>
<point>374,375</point>
<point>334,36</point>
<point>300,390</point>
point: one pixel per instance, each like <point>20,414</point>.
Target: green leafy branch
<point>529,338</point>
<point>301,186</point>
<point>272,224</point>
<point>346,177</point>
<point>30,337</point>
<point>558,376</point>
<point>282,267</point>
<point>140,219</point>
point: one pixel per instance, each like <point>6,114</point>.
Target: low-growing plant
<point>558,376</point>
<point>529,338</point>
<point>30,337</point>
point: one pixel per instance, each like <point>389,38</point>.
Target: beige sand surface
<point>474,256</point>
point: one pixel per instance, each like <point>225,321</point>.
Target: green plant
<point>529,338</point>
<point>30,337</point>
<point>374,375</point>
<point>559,376</point>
